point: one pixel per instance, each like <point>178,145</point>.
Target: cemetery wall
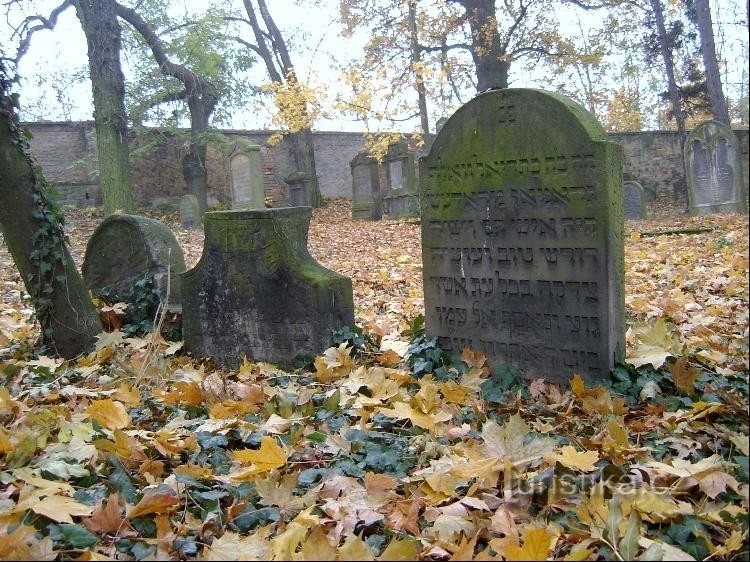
<point>67,153</point>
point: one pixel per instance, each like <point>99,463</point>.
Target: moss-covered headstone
<point>400,199</point>
<point>246,178</point>
<point>714,174</point>
<point>634,200</point>
<point>257,292</point>
<point>522,235</point>
<point>366,198</point>
<point>125,248</point>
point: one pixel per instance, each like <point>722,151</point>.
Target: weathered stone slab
<point>190,212</point>
<point>299,189</point>
<point>125,247</point>
<point>634,200</point>
<point>522,235</point>
<point>246,178</point>
<point>366,196</point>
<point>401,199</point>
<point>714,173</point>
<point>257,292</point>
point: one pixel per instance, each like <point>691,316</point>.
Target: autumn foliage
<point>383,447</point>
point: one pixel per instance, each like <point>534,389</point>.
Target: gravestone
<point>634,196</point>
<point>366,199</point>
<point>190,212</point>
<point>299,189</point>
<point>714,174</point>
<point>246,178</point>
<point>123,248</point>
<point>257,292</point>
<point>522,235</point>
<point>400,199</point>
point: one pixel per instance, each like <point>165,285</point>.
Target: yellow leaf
<point>465,549</point>
<point>509,441</point>
<point>537,545</point>
<point>401,410</point>
<point>22,544</point>
<point>232,546</point>
<point>317,547</point>
<point>109,413</point>
<point>660,507</point>
<point>268,457</point>
<point>354,548</point>
<point>669,552</point>
<point>568,456</point>
<point>61,508</point>
<point>401,549</point>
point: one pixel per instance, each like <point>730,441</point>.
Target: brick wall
<point>67,153</point>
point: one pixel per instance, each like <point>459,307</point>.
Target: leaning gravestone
<point>190,212</point>
<point>634,200</point>
<point>401,199</point>
<point>714,174</point>
<point>366,199</point>
<point>246,178</point>
<point>257,292</point>
<point>522,235</point>
<point>124,248</point>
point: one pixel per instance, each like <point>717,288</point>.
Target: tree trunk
<point>35,238</point>
<point>99,21</point>
<point>416,60</point>
<point>719,109</point>
<point>201,96</point>
<point>679,190</point>
<point>487,49</point>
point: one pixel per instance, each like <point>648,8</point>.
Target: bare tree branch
<point>26,30</point>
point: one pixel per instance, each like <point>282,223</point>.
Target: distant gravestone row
<point>714,174</point>
<point>398,197</point>
<point>522,235</point>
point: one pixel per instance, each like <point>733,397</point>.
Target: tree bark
<point>679,190</point>
<point>416,60</point>
<point>201,96</point>
<point>487,49</point>
<point>301,144</point>
<point>99,21</point>
<point>719,109</point>
<point>35,238</point>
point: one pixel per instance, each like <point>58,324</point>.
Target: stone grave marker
<point>125,247</point>
<point>366,199</point>
<point>257,292</point>
<point>634,200</point>
<point>190,212</point>
<point>299,189</point>
<point>522,235</point>
<point>401,199</point>
<point>714,174</point>
<point>246,178</point>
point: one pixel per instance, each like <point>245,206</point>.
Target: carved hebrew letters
<point>516,237</point>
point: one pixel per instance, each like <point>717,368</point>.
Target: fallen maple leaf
<point>538,542</point>
<point>105,518</point>
<point>109,413</point>
<point>268,457</point>
<point>570,457</point>
<point>161,499</point>
<point>510,441</point>
<point>60,508</point>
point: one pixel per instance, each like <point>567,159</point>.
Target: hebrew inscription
<point>522,235</point>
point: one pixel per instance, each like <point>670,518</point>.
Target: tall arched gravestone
<point>714,173</point>
<point>367,201</point>
<point>257,292</point>
<point>126,247</point>
<point>522,235</point>
<point>246,178</point>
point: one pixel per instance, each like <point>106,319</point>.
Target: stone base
<point>257,293</point>
<point>400,205</point>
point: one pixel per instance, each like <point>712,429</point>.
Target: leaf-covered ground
<point>383,447</point>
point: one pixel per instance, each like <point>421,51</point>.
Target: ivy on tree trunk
<point>32,228</point>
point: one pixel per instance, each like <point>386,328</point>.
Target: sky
<point>67,95</point>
